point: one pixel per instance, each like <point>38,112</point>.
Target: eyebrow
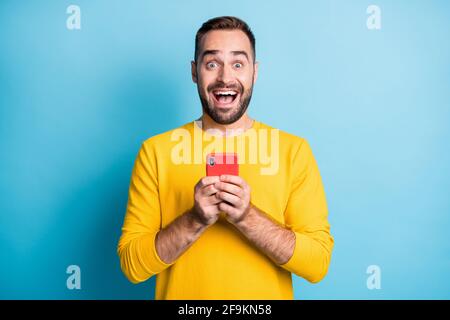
<point>235,53</point>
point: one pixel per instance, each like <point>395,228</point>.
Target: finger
<point>228,209</point>
<point>231,198</point>
<point>209,190</point>
<point>230,188</point>
<point>213,200</point>
<point>233,179</point>
<point>206,181</point>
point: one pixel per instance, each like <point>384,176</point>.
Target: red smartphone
<point>222,163</point>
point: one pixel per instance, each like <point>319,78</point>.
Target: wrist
<point>197,220</point>
<point>246,217</point>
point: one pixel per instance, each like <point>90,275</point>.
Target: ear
<point>194,71</point>
<point>255,71</point>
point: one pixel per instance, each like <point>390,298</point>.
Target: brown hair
<point>224,23</point>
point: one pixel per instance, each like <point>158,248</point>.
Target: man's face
<point>225,73</point>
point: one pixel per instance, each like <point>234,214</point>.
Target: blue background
<point>76,105</point>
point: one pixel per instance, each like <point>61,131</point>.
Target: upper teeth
<point>226,93</point>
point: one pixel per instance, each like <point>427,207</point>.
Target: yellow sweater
<point>222,264</point>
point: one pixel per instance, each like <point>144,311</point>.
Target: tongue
<point>225,99</point>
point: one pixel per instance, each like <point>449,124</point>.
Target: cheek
<point>246,80</point>
<point>202,85</point>
<point>207,75</point>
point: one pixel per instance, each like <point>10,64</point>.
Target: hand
<point>234,193</point>
<point>206,207</point>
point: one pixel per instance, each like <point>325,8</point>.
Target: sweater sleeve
<point>306,215</point>
<point>136,248</point>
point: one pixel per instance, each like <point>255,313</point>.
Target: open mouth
<point>224,98</point>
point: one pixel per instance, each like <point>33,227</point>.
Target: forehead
<point>226,41</point>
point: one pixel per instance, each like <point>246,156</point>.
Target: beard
<point>230,116</point>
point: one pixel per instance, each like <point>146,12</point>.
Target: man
<point>230,236</point>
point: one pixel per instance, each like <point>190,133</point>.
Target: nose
<point>225,74</point>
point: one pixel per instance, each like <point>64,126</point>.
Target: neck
<point>244,123</point>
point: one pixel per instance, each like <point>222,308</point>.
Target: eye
<point>211,65</point>
<point>238,65</point>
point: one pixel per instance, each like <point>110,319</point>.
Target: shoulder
<point>166,139</point>
<point>287,141</point>
<point>294,148</point>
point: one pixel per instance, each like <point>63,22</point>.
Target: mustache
<point>233,86</point>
